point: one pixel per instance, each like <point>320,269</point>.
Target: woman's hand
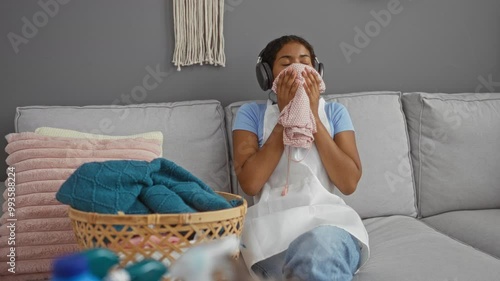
<point>311,86</point>
<point>287,87</point>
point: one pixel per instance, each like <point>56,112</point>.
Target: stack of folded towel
<point>42,164</point>
<point>139,187</point>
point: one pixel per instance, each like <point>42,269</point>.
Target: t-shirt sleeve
<point>247,118</point>
<point>339,118</point>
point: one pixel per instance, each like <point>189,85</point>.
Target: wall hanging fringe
<point>198,31</point>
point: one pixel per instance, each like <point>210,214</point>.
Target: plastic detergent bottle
<point>145,270</point>
<point>72,268</point>
<point>101,261</point>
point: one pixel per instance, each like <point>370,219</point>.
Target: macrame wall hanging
<point>198,31</point>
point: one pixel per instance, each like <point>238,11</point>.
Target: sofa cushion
<point>404,248</point>
<point>193,131</point>
<point>455,143</point>
<point>386,187</point>
<point>478,228</point>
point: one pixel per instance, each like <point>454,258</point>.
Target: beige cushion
<point>58,132</point>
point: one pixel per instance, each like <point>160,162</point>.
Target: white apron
<point>274,221</point>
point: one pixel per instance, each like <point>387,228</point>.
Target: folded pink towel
<point>43,276</point>
<point>36,187</point>
<point>24,253</point>
<point>21,141</point>
<point>42,165</point>
<point>38,199</point>
<point>42,175</point>
<point>42,238</point>
<point>27,267</point>
<point>23,155</point>
<point>40,212</point>
<point>39,225</point>
<point>28,145</point>
<point>57,163</point>
<point>297,118</point>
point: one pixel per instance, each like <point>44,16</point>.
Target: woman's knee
<point>325,251</point>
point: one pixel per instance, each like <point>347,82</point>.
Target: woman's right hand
<point>286,88</point>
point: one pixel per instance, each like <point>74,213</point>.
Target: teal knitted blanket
<point>138,187</point>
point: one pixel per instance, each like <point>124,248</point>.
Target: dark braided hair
<point>269,54</point>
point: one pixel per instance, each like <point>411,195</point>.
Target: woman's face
<point>292,52</point>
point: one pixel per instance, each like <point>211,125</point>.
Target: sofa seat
<point>404,248</point>
<point>478,228</point>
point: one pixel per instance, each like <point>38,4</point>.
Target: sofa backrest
<point>194,134</point>
<point>455,147</point>
<point>387,186</point>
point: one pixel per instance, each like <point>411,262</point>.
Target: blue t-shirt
<point>250,117</point>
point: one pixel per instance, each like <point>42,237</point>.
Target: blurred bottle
<point>200,262</point>
<point>72,268</point>
<point>100,261</point>
<point>145,270</point>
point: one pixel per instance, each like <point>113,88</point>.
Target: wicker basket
<point>163,237</point>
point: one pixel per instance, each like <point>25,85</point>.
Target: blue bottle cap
<point>71,265</point>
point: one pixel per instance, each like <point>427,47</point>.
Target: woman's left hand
<point>311,86</point>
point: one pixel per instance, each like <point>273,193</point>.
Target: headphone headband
<point>259,58</point>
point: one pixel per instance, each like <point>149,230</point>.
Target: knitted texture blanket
<point>297,118</point>
<point>138,187</point>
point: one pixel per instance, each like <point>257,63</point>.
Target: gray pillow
<point>194,133</point>
<point>455,150</point>
<point>386,186</point>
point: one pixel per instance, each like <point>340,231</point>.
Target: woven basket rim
<point>146,219</point>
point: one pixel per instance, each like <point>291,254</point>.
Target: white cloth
<point>274,221</point>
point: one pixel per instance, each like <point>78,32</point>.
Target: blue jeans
<point>326,253</point>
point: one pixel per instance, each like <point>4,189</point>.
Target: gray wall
<point>96,51</point>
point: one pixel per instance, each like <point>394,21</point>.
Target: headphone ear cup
<point>270,76</point>
<point>264,76</point>
<point>320,68</point>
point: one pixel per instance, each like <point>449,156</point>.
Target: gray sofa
<point>430,191</point>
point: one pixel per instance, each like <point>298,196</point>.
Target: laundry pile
<point>139,187</point>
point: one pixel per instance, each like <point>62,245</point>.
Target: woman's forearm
<point>341,169</point>
<point>256,169</point>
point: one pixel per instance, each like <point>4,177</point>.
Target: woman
<point>309,233</point>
